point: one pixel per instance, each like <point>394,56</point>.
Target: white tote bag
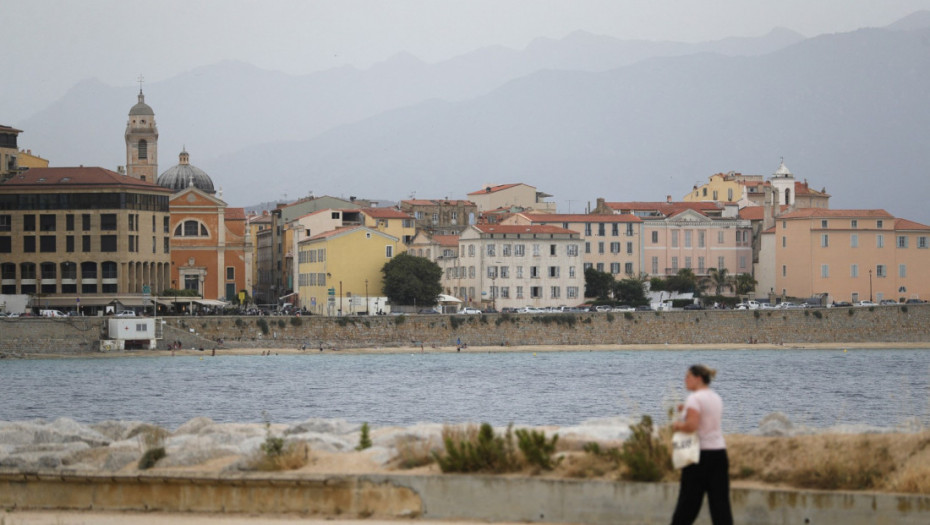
<point>686,449</point>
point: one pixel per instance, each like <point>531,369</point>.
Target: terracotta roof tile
<point>446,240</point>
<point>492,189</point>
<point>905,224</point>
<point>384,213</point>
<point>91,177</point>
<point>532,228</point>
<point>236,214</point>
<point>810,213</point>
<point>579,217</point>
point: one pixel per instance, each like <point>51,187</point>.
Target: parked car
<point>915,301</point>
<point>693,306</point>
<point>866,303</point>
<point>470,311</point>
<point>748,305</point>
<point>51,313</point>
<point>644,308</point>
<point>887,302</point>
<point>126,313</point>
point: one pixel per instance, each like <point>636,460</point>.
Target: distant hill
<point>847,111</point>
<point>218,109</point>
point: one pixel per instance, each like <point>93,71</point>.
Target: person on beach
<point>703,411</point>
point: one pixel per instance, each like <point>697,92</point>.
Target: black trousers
<point>710,475</point>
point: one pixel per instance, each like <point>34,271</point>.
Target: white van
<point>51,313</point>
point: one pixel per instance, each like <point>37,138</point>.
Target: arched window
<point>88,270</point>
<point>68,270</point>
<point>787,196</point>
<point>49,270</point>
<point>191,228</point>
<point>143,149</point>
<point>27,270</point>
<point>108,269</point>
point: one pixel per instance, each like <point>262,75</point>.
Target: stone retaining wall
<point>446,497</point>
<point>884,324</point>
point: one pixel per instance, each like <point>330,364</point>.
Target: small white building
<point>130,332</point>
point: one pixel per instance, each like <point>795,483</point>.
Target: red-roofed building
<point>441,216</point>
<point>850,255</point>
<point>523,196</point>
<point>612,243</point>
<point>512,266</point>
<point>83,238</point>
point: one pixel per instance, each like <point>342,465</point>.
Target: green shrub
<point>364,440</point>
<point>646,456</point>
<point>756,314</point>
<point>296,321</point>
<point>483,452</point>
<point>281,323</point>
<point>610,317</point>
<point>904,309</point>
<point>851,312</point>
<point>263,324</point>
<point>612,454</point>
<point>239,322</point>
<point>151,457</point>
<point>399,320</point>
<point>536,449</point>
<point>628,315</point>
<point>456,321</point>
<point>818,314</point>
<point>277,454</point>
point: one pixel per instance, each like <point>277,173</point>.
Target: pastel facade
<point>441,216</point>
<point>9,153</point>
<point>210,251</point>
<point>517,265</point>
<point>781,189</point>
<point>518,195</point>
<point>612,243</point>
<point>851,255</point>
<point>347,260</point>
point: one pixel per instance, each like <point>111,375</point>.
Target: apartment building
<point>611,243</point>
<point>851,255</point>
<point>441,216</point>
<point>83,237</point>
<point>523,196</point>
<point>517,265</point>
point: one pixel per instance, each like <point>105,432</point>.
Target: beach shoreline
<point>467,349</point>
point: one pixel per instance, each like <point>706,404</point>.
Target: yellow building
<point>340,270</point>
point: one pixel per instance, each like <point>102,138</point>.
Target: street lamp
<point>340,298</point>
<point>366,298</point>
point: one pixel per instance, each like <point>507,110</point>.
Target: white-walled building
<point>517,265</point>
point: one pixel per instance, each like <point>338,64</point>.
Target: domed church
<point>210,250</point>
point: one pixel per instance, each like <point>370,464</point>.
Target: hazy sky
<point>51,44</point>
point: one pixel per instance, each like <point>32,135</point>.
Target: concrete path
<point>164,518</point>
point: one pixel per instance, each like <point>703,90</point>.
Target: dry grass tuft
<point>292,456</point>
<point>413,452</point>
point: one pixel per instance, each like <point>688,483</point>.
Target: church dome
<point>185,175</point>
<point>141,108</point>
<point>783,171</point>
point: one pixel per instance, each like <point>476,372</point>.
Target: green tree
<point>720,279</point>
<point>409,279</point>
<point>683,282</point>
<point>598,284</point>
<point>658,284</point>
<point>630,291</point>
<point>745,283</point>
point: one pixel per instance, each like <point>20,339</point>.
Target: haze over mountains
<point>580,118</point>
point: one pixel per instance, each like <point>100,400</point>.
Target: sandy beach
<point>428,349</point>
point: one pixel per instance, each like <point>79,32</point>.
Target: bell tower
<point>142,141</point>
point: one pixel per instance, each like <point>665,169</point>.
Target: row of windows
<point>881,270</point>
<point>853,223</point>
<point>519,250</point>
<point>504,292</point>
<point>602,229</point>
<point>65,270</point>
<point>614,247</point>
<point>614,267</point>
<point>49,222</point>
<point>311,279</point>
<point>687,236</point>
<point>902,241</point>
<point>312,256</point>
<point>701,267</point>
<point>89,244</point>
<point>504,272</point>
<point>84,201</point>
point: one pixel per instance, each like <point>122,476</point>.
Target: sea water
<point>858,390</point>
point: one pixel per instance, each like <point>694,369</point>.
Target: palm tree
<point>721,279</point>
<point>745,283</point>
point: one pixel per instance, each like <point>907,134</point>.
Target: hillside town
<point>91,240</point>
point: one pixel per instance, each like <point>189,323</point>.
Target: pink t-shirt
<point>707,403</point>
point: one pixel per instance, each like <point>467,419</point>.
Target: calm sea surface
<point>814,388</point>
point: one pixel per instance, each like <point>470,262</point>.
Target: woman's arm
<point>690,424</point>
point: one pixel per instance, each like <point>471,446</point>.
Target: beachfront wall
<point>880,324</point>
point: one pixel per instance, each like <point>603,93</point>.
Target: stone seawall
<point>885,324</point>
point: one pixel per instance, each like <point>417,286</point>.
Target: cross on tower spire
<point>140,80</point>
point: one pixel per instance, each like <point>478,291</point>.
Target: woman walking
<point>703,410</point>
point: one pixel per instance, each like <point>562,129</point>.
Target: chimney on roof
<point>487,189</point>
<point>668,198</point>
